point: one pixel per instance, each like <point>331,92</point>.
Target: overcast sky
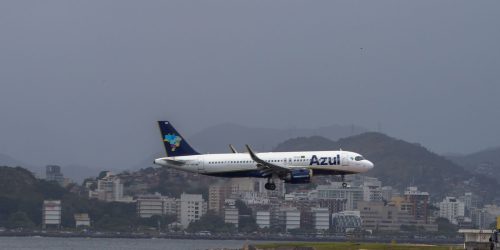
<point>83,82</point>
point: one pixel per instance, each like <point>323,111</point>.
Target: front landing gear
<point>344,184</point>
<point>270,184</point>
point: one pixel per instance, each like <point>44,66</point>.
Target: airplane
<point>292,167</point>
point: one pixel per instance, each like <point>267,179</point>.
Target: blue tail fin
<point>175,144</point>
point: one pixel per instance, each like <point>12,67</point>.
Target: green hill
<point>400,164</point>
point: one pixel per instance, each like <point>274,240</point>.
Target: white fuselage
<point>241,164</point>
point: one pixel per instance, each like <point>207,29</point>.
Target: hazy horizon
<point>85,82</point>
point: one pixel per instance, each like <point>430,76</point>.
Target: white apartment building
<point>321,218</point>
<point>263,219</point>
<point>231,215</point>
<point>452,209</point>
<point>109,188</point>
<point>192,207</point>
<point>51,213</point>
<point>335,191</point>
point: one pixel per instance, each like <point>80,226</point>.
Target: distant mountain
<point>217,138</point>
<point>485,162</point>
<point>6,160</point>
<point>400,164</point>
<point>148,162</point>
<point>75,172</point>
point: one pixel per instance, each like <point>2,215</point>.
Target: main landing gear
<point>270,184</point>
<point>344,184</point>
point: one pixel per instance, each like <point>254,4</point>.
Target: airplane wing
<point>267,167</point>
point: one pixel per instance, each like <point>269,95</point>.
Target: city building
<point>109,188</point>
<point>231,213</point>
<point>53,173</point>
<point>476,239</point>
<point>480,218</point>
<point>348,196</point>
<point>372,189</point>
<point>387,193</point>
<point>217,193</point>
<point>263,219</point>
<point>380,216</point>
<point>471,201</point>
<point>346,221</point>
<point>320,218</point>
<point>149,205</point>
<point>51,213</point>
<point>289,218</point>
<point>452,209</point>
<point>170,206</point>
<point>192,207</point>
<point>420,203</point>
<point>82,220</point>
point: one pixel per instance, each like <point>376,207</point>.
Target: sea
<point>54,243</point>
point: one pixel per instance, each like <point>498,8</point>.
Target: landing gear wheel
<point>270,186</point>
<point>344,185</point>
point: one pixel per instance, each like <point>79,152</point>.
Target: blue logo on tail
<point>173,140</point>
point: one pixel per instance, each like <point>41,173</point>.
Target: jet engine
<point>301,175</point>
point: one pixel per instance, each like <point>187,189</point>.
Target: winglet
<point>252,154</point>
<point>233,149</point>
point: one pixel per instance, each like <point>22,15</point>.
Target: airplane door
<point>199,165</point>
<point>344,161</point>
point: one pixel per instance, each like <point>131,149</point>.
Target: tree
<point>446,227</point>
<point>19,220</point>
<point>247,222</point>
<point>211,222</point>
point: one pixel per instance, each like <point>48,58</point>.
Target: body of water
<point>53,243</point>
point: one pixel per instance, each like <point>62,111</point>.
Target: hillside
<point>216,139</point>
<point>399,164</point>
<point>486,162</point>
<point>22,195</point>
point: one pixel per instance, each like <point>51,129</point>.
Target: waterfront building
<point>217,193</point>
<point>192,207</point>
<point>231,213</point>
<point>346,221</point>
<point>170,206</point>
<point>149,205</point>
<point>51,213</point>
<point>82,220</point>
<point>263,219</point>
<point>289,218</point>
<point>321,218</point>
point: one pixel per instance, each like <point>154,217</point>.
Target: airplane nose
<point>369,164</point>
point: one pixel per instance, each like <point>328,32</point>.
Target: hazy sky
<point>84,81</point>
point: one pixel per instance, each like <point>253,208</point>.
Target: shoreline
<point>225,237</point>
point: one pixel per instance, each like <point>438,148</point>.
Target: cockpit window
<point>359,158</point>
